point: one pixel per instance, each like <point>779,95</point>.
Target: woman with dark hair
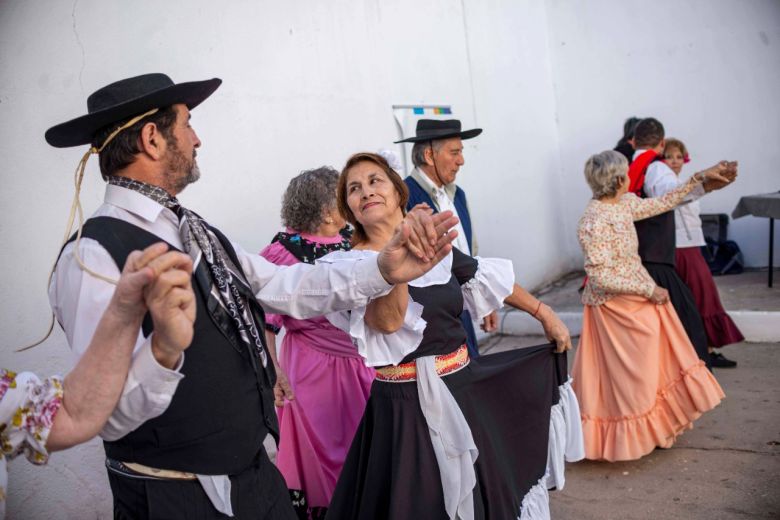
<point>322,384</point>
<point>626,143</point>
<point>445,436</point>
<point>692,268</point>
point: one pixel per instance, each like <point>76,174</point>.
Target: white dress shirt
<point>687,220</point>
<point>79,300</point>
<point>660,180</point>
<point>444,201</point>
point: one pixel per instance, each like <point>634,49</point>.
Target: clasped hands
<point>719,176</point>
<point>421,241</point>
<point>159,281</point>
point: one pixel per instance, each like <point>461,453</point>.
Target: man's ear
<point>152,142</point>
<point>428,155</point>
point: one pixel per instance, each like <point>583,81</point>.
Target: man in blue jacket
<point>437,156</point>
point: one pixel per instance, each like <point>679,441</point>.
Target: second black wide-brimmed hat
<point>432,129</point>
<point>127,98</point>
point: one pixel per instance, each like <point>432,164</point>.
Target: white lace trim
<point>492,283</point>
<point>378,349</point>
<point>536,503</point>
<point>565,445</point>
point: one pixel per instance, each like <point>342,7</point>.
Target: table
<point>765,205</point>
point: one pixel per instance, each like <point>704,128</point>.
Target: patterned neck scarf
<point>213,266</point>
<point>307,251</point>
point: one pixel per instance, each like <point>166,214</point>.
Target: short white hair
<point>605,172</point>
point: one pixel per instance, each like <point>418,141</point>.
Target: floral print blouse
<point>609,244</point>
<point>27,409</point>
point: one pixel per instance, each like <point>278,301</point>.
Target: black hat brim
<point>467,134</point>
<point>80,131</point>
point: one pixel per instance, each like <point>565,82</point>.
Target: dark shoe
<point>718,360</point>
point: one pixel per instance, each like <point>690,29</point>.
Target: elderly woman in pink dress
<point>38,416</point>
<point>322,384</point>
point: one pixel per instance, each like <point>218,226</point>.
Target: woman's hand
<point>401,260</point>
<point>282,389</point>
<point>490,322</point>
<point>718,176</point>
<point>659,296</point>
<point>554,328</point>
<point>171,303</point>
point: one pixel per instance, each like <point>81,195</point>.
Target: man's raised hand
<point>420,242</point>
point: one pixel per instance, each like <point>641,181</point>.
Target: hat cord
<point>76,209</point>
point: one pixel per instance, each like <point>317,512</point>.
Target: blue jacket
<point>417,195</point>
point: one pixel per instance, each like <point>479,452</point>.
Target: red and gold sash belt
<point>445,364</point>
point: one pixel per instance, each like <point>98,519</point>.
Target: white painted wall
<point>308,83</point>
<point>708,69</point>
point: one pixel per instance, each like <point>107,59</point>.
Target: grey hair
<point>418,151</point>
<point>308,196</point>
<point>605,172</point>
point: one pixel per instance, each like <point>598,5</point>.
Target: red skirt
<point>693,270</point>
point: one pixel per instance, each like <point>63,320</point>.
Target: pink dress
<point>331,386</point>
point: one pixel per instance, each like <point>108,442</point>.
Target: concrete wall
<point>308,83</point>
<point>709,70</point>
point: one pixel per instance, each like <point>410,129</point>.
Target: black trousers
<point>257,493</point>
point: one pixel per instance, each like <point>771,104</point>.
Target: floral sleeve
<point>605,271</point>
<point>27,409</point>
<point>646,208</point>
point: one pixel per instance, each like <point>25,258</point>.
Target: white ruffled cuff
<point>376,348</point>
<point>492,283</point>
<point>566,443</point>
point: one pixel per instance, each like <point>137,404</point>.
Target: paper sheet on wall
<point>406,117</point>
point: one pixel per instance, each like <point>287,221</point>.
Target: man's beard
<point>181,171</point>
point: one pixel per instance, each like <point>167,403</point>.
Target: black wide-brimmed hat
<point>127,98</point>
<point>432,129</point>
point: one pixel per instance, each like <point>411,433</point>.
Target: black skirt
<point>391,470</point>
<point>684,305</point>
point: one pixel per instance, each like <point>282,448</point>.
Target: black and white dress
<point>484,442</point>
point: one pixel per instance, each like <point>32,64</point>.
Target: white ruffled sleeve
<point>492,283</point>
<point>376,348</point>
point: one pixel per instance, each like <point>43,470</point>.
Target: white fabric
<point>444,202</point>
<point>566,442</point>
<point>217,488</point>
<point>660,180</point>
<point>439,273</point>
<point>687,222</point>
<point>492,283</point>
<point>377,349</point>
<point>452,441</point>
<point>78,300</point>
<point>575,442</point>
<point>536,503</point>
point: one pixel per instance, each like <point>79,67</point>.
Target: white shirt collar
<point>429,186</point>
<point>134,202</point>
<point>639,152</point>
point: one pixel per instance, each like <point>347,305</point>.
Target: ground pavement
<point>726,467</point>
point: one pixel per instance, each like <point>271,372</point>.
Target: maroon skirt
<point>693,270</point>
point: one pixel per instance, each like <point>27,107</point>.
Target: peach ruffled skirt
<point>637,378</point>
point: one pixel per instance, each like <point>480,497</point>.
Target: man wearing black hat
<point>437,156</point>
<point>186,437</point>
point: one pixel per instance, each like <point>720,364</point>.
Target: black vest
<point>657,238</point>
<point>223,408</point>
